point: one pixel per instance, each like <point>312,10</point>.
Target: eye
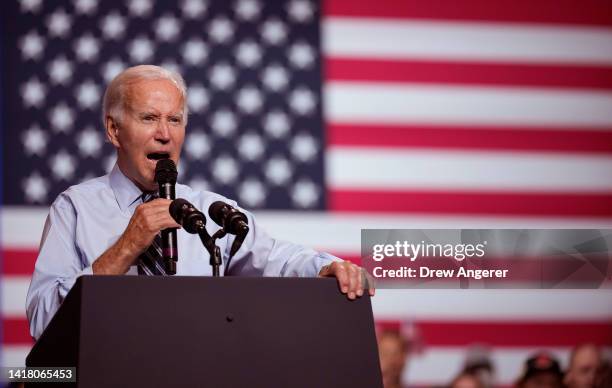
<point>175,120</point>
<point>148,118</point>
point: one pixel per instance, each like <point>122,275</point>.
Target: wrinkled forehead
<point>161,94</point>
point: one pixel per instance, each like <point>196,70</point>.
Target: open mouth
<point>158,155</point>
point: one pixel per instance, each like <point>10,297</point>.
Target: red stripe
<point>514,334</point>
<point>459,137</point>
<point>16,331</point>
<point>591,12</point>
<point>19,261</point>
<point>472,203</point>
<point>420,71</point>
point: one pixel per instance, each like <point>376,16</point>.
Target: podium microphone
<point>232,221</point>
<point>165,175</point>
<point>185,214</point>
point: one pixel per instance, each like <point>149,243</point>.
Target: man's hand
<point>352,279</point>
<point>146,222</point>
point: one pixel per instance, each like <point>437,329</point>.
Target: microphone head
<point>229,218</point>
<point>165,171</point>
<point>217,212</point>
<point>177,208</point>
<point>187,215</point>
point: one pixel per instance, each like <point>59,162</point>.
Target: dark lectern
<point>139,331</point>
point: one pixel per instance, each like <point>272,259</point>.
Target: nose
<point>163,132</point>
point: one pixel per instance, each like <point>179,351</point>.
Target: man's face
<point>583,369</point>
<point>150,129</point>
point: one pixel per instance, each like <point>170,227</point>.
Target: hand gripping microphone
<point>165,175</point>
<point>232,221</point>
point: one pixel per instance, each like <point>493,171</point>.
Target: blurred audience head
<point>392,352</point>
<point>585,362</point>
<point>541,371</point>
<point>478,364</point>
<point>466,380</point>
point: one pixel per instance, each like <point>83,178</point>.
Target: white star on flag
<point>250,146</point>
<point>276,124</point>
<point>113,26</point>
<point>249,99</point>
<point>223,122</point>
<point>197,98</point>
<point>33,93</point>
<point>32,45</point>
<point>140,8</point>
<point>305,193</point>
<point>63,165</point>
<point>193,9</point>
<point>60,70</point>
<point>86,7</point>
<point>248,10</point>
<point>222,76</point>
<point>61,118</point>
<point>167,28</point>
<point>248,53</point>
<point>194,52</point>
<point>88,95</point>
<point>225,169</point>
<point>197,145</point>
<point>35,141</point>
<point>87,48</point>
<point>275,77</point>
<point>221,30</point>
<point>252,192</point>
<point>303,147</point>
<point>140,49</point>
<point>59,23</point>
<point>89,142</point>
<point>278,170</point>
<point>300,10</point>
<point>35,188</point>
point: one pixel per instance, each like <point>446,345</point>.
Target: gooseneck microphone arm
<point>193,221</point>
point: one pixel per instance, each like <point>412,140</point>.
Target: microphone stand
<point>213,250</point>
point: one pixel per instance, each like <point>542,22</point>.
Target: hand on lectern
<point>352,279</point>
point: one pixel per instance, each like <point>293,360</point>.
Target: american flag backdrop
<point>329,117</point>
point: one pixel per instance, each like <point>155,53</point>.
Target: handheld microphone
<point>232,221</point>
<point>165,175</point>
<point>184,213</point>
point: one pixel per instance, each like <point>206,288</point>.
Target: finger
<point>371,283</point>
<point>360,281</point>
<point>343,277</point>
<point>353,280</point>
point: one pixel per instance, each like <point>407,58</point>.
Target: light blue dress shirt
<point>87,219</point>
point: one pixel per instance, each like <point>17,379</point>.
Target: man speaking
<point>108,224</point>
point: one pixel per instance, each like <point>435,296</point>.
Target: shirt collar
<point>126,192</point>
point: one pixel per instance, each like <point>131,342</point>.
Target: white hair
<point>114,96</point>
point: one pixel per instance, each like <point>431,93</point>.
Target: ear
<point>112,131</point>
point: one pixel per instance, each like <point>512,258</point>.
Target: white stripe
<point>13,292</point>
<point>337,232</point>
<point>391,39</point>
<point>419,304</point>
<point>362,167</point>
<point>22,227</point>
<point>360,102</point>
<point>14,356</point>
<point>494,305</point>
<point>441,364</point>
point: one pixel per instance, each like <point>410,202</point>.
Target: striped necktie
<point>150,261</point>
